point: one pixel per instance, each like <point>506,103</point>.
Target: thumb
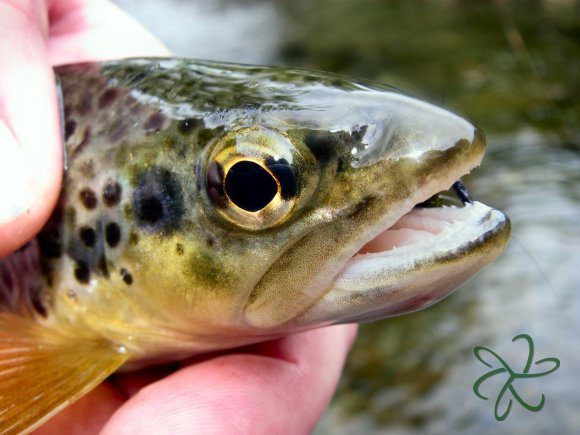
<point>30,144</point>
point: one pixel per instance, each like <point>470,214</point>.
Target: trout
<point>208,205</point>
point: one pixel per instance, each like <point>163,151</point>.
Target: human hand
<point>276,387</point>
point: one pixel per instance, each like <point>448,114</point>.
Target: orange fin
<point>42,371</point>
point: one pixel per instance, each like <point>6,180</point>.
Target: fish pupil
<point>250,186</point>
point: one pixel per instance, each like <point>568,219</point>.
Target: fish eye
<point>254,177</point>
<point>250,186</point>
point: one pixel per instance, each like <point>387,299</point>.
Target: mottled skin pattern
<point>146,250</point>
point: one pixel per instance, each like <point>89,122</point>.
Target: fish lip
<point>415,276</point>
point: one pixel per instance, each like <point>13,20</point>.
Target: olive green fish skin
<point>146,248</point>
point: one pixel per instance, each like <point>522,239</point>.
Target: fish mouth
<point>425,221</point>
<point>417,261</point>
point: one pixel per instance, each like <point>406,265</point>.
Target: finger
<point>82,30</point>
<point>30,148</point>
<point>285,384</point>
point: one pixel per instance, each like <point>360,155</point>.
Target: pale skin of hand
<point>281,386</point>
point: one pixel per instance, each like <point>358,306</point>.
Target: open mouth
<point>424,221</point>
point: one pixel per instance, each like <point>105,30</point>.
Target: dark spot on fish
<point>126,276</point>
<point>82,272</point>
<point>154,123</point>
<point>111,193</point>
<point>179,250</point>
<point>87,236</point>
<point>112,234</point>
<point>102,266</point>
<point>107,98</point>
<point>49,243</point>
<point>88,198</point>
<point>150,210</point>
<point>323,145</point>
<point>186,126</point>
<point>210,241</point>
<point>158,200</point>
<point>284,173</point>
<point>69,128</point>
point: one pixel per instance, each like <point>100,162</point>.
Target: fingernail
<point>16,187</point>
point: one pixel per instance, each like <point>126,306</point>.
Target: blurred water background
<point>513,67</point>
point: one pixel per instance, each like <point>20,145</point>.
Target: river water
<point>510,66</point>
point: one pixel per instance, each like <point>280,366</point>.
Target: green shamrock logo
<point>512,376</point>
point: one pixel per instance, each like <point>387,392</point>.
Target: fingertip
<point>30,142</point>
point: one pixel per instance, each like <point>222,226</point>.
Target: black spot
<point>50,243</point>
<point>210,241</point>
<point>158,200</point>
<point>285,176</point>
<point>88,198</point>
<point>126,276</point>
<point>87,236</point>
<point>179,250</point>
<point>82,272</point>
<point>154,123</point>
<point>186,126</point>
<point>250,186</point>
<point>150,210</point>
<point>111,193</point>
<point>112,234</point>
<point>323,145</point>
<point>107,98</point>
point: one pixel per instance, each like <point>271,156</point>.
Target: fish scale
<point>208,205</point>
